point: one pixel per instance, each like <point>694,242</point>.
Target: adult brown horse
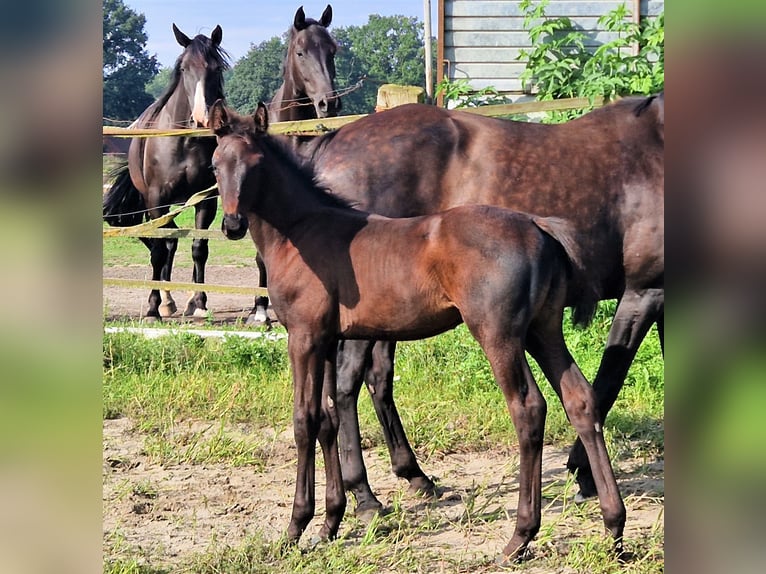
<point>336,272</point>
<point>603,172</point>
<point>307,92</point>
<point>167,170</point>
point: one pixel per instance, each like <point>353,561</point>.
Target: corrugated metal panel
<point>481,39</point>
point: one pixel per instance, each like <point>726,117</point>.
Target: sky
<point>247,22</point>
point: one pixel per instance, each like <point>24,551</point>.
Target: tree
<point>127,67</point>
<point>257,76</point>
<point>388,49</point>
<point>158,83</point>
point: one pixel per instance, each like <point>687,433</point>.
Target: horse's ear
<point>217,35</point>
<point>300,19</point>
<point>326,18</point>
<point>261,117</point>
<point>218,118</point>
<point>181,38</point>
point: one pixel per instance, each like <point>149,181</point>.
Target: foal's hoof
<point>512,560</point>
<point>196,312</point>
<point>151,319</point>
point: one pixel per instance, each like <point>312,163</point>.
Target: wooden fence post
<point>392,95</point>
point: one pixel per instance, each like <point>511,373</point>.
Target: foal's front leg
<point>314,417</point>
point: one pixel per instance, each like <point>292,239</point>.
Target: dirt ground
<point>165,513</point>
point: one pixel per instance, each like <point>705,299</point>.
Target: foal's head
<point>310,62</point>
<point>236,162</point>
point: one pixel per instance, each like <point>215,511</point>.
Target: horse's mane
<point>200,47</point>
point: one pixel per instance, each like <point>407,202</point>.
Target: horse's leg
<point>661,331</point>
<point>546,344</point>
<point>204,214</point>
<point>259,315</point>
<point>161,303</point>
<point>635,314</point>
<point>307,358</point>
<point>352,357</point>
<point>380,383</point>
<point>335,495</point>
<point>527,407</point>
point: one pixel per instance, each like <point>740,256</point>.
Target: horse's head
<point>310,62</point>
<point>235,162</point>
<point>200,70</point>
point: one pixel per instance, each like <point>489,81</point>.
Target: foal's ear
<point>181,38</point>
<point>261,117</point>
<point>326,16</point>
<point>218,118</point>
<point>300,19</point>
<point>217,35</point>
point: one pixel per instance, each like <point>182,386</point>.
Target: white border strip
<point>153,333</point>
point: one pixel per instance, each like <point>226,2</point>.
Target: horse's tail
<point>584,294</point>
<point>123,205</point>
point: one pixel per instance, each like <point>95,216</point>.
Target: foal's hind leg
<point>545,342</point>
<point>527,407</point>
<point>196,306</point>
<point>259,315</point>
<point>634,316</point>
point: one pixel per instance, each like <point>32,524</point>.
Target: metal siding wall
<point>482,38</point>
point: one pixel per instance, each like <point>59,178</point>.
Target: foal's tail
<point>584,295</point>
<point>123,205</point>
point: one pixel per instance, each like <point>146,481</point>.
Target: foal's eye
<point>299,54</point>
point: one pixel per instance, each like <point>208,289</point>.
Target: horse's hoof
<point>167,309</point>
<point>258,319</point>
<point>196,312</point>
<point>366,514</point>
<point>425,487</point>
<point>151,319</point>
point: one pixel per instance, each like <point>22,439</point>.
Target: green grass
<point>130,251</point>
<point>188,396</point>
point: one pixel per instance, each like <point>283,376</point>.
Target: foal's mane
<point>303,169</point>
<point>200,47</point>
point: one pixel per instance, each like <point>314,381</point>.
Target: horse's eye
<point>299,54</point>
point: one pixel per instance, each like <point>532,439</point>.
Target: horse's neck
<point>176,112</point>
<point>291,103</point>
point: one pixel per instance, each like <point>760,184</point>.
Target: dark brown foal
<point>337,273</point>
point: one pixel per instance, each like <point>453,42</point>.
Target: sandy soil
<point>165,513</point>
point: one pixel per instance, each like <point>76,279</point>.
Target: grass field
<point>237,389</point>
<point>448,401</point>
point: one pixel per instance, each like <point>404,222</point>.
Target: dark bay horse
<point>336,272</point>
<point>603,172</point>
<point>308,72</point>
<point>307,92</point>
<point>162,171</point>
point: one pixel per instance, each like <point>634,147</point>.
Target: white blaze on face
<point>198,113</point>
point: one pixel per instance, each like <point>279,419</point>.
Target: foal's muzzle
<point>234,226</point>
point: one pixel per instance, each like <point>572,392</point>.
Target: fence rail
<point>153,228</point>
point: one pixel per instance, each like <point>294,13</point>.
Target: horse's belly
<point>397,322</point>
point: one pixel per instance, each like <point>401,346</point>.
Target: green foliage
<point>560,65</point>
<point>459,94</point>
<point>386,50</point>
<point>158,83</point>
<point>127,67</point>
<point>257,76</point>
